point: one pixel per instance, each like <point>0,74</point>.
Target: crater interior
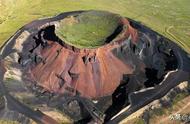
<point>90,29</point>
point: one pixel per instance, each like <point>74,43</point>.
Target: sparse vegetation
<point>8,122</point>
<point>164,112</point>
<point>139,121</point>
<point>179,97</point>
<point>158,112</point>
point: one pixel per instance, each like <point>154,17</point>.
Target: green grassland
<point>8,122</point>
<point>170,18</point>
<point>89,29</point>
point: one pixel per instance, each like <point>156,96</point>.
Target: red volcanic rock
<point>91,72</point>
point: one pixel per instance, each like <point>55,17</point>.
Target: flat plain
<point>169,18</point>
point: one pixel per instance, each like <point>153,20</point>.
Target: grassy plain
<point>170,18</point>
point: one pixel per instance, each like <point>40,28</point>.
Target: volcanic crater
<point>60,66</point>
<point>90,64</point>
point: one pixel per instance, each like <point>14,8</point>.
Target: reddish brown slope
<point>92,72</point>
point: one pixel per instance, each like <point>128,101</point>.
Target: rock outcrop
<point>93,72</point>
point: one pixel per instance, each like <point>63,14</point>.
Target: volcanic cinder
<point>93,72</point>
